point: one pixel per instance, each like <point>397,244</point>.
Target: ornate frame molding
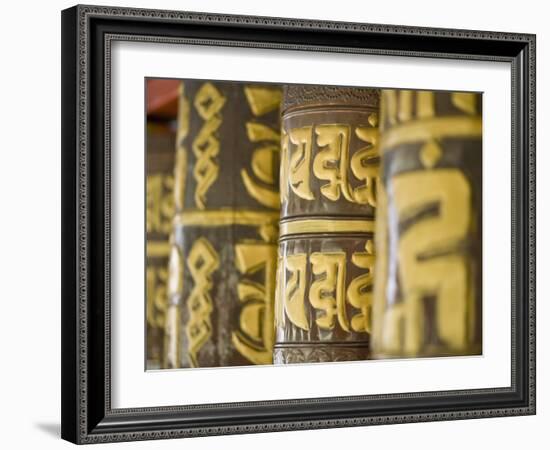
<point>88,31</point>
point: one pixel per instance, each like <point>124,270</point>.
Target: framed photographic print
<point>282,224</point>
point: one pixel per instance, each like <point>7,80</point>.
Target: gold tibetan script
<point>360,289</point>
<point>262,184</point>
<point>432,261</point>
<point>328,293</point>
<point>295,289</point>
<point>331,162</point>
<point>254,339</point>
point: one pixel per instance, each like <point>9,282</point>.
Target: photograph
<point>294,223</point>
<point>275,225</point>
<point>302,223</point>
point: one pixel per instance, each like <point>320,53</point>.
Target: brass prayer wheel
<point>223,255</point>
<point>428,282</point>
<point>329,176</point>
<point>160,210</point>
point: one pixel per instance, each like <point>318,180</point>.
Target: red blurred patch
<point>162,98</point>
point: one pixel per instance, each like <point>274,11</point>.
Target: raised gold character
<point>294,293</point>
<point>327,293</point>
<point>254,339</point>
<point>300,161</point>
<point>332,162</point>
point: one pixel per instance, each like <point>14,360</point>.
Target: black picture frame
<point>87,33</point>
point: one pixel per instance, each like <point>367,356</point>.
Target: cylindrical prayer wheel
<point>329,176</point>
<point>428,238</point>
<point>223,256</point>
<point>160,210</point>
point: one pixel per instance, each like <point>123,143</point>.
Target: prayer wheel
<point>225,229</point>
<point>329,177</point>
<point>428,282</point>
